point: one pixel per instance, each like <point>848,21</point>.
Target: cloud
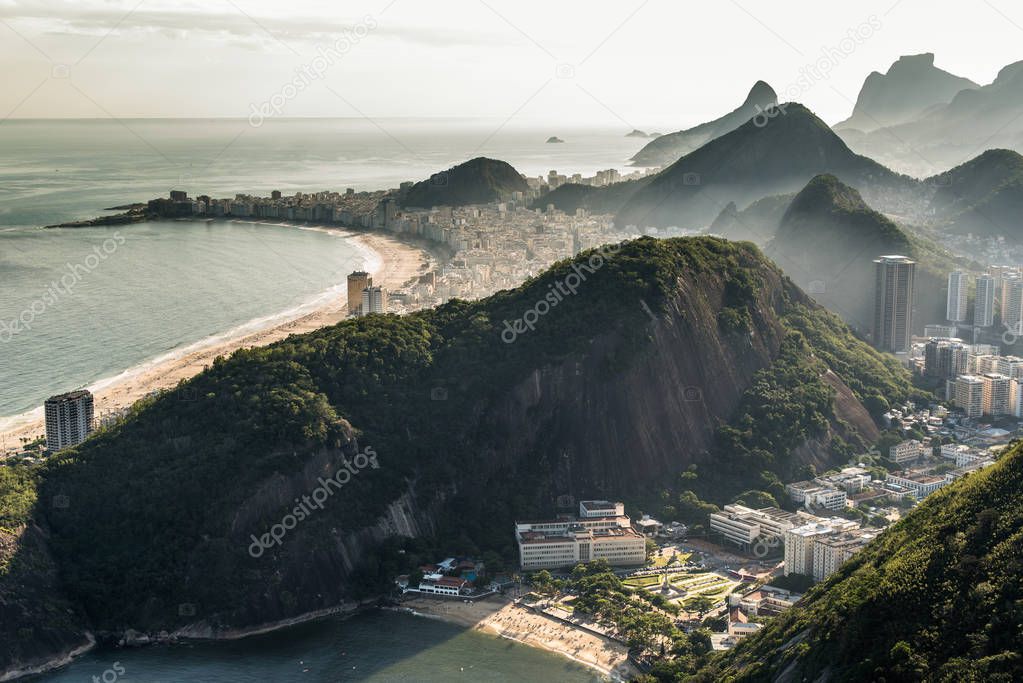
<point>231,19</point>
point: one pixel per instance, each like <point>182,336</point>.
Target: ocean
<point>378,647</point>
<point>165,287</point>
<point>139,293</point>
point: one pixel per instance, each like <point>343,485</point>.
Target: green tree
<point>701,604</point>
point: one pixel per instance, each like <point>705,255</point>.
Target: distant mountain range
<point>912,87</point>
<point>945,134</point>
<point>669,148</point>
<point>776,155</point>
<point>476,419</point>
<point>935,598</point>
<point>477,181</point>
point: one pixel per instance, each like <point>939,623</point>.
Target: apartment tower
<point>955,308</point>
<point>984,304</point>
<point>893,303</point>
<point>357,282</point>
<point>69,419</point>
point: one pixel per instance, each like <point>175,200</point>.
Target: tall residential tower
<point>69,419</point>
<point>357,282</point>
<point>955,308</point>
<point>984,304</point>
<point>893,303</point>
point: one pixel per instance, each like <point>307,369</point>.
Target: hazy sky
<point>654,64</point>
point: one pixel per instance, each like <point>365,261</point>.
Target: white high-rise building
<point>374,300</point>
<point>1009,365</point>
<point>1012,304</point>
<point>955,308</point>
<point>69,419</point>
<point>984,304</point>
<point>800,541</point>
<point>831,552</point>
<point>967,392</point>
<point>1016,398</point>
<point>997,390</point>
<point>799,547</point>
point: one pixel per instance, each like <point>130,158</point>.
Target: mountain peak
<point>826,194</point>
<point>922,60</point>
<point>761,93</point>
<point>669,148</point>
<point>911,86</point>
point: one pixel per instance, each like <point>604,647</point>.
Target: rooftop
<point>70,396</point>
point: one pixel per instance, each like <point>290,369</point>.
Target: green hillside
<point>938,597</point>
<point>477,181</point>
<point>984,196</point>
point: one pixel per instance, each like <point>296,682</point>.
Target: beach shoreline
<point>390,261</point>
<point>501,617</point>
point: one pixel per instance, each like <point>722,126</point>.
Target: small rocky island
<point>637,133</point>
<point>554,139</point>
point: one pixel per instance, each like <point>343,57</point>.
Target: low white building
<point>828,499</point>
<point>906,451</point>
<point>444,585</point>
<point>799,490</point>
<point>766,600</point>
<point>745,526</point>
<point>601,532</point>
<point>952,450</point>
<point>647,525</point>
<point>920,485</point>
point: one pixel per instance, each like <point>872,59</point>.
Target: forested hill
<point>693,354</point>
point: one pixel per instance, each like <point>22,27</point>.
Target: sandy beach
<point>501,617</point>
<point>396,263</point>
